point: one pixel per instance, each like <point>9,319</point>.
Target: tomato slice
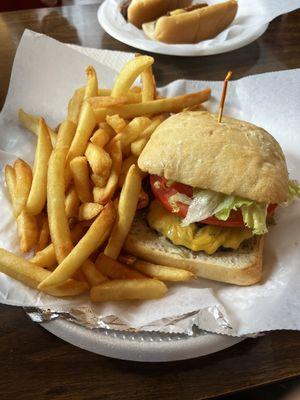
<point>163,191</point>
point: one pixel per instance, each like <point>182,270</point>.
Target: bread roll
<point>193,26</point>
<point>232,157</point>
<point>240,267</point>
<point>141,11</point>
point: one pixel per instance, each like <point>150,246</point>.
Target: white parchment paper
<point>44,76</point>
<point>251,14</point>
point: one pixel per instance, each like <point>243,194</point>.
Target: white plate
<point>112,22</point>
<point>144,346</point>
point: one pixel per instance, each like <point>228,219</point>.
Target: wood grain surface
<point>34,363</point>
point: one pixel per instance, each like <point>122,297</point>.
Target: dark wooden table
<point>35,363</point>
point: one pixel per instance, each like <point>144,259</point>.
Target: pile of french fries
<point>75,207</point>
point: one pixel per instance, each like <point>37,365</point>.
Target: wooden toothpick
<point>221,106</point>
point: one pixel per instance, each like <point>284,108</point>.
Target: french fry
<point>99,181</point>
<point>27,231</point>
<point>126,210</point>
<point>83,133</point>
<point>115,270</point>
<point>80,172</point>
<point>31,275</point>
<point>102,196</point>
<point>138,145</point>
<point>127,163</point>
<point>91,89</point>
<point>136,89</point>
<point>107,101</point>
<point>66,134</point>
<point>23,184</point>
<point>89,211</point>
<point>99,160</point>
<point>31,122</point>
<point>46,258</point>
<point>167,105</point>
<point>129,73</point>
<point>108,129</point>
<point>148,84</point>
<point>44,234</point>
<point>58,221</point>
<point>95,236</point>
<point>116,122</point>
<point>75,104</point>
<point>132,131</point>
<point>72,203</point>
<point>100,138</point>
<point>10,179</point>
<point>163,273</point>
<point>38,192</point>
<point>132,96</point>
<point>129,289</point>
<point>92,274</point>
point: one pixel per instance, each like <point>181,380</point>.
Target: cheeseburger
<point>216,187</point>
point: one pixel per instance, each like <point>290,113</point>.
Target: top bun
<point>232,157</point>
<point>141,11</point>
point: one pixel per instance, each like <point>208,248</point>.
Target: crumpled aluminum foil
<point>212,318</point>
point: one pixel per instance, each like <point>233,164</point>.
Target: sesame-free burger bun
<point>141,11</point>
<point>232,157</point>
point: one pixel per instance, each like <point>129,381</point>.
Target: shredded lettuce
<point>294,192</point>
<point>254,217</point>
<point>179,197</point>
<point>206,203</point>
<point>203,205</point>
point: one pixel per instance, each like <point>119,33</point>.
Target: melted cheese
<point>208,238</point>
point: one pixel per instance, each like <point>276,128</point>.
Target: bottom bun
<point>240,267</point>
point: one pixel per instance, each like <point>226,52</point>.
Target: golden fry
<point>126,210</point>
<point>44,235</point>
<point>148,84</point>
<point>132,131</point>
<point>31,122</point>
<point>100,138</point>
<point>58,220</point>
<point>89,211</point>
<point>127,163</point>
<point>163,273</point>
<point>75,104</point>
<point>23,184</point>
<point>91,89</point>
<point>116,122</point>
<point>92,274</point>
<point>138,145</point>
<point>83,133</point>
<point>127,259</point>
<point>107,193</point>
<point>46,258</point>
<point>95,236</point>
<point>80,172</point>
<point>31,275</point>
<point>129,73</point>
<point>115,270</point>
<point>129,289</point>
<point>72,203</point>
<point>107,101</point>
<point>99,181</point>
<point>66,134</point>
<point>99,160</point>
<point>38,192</point>
<point>27,231</point>
<point>132,96</point>
<point>168,105</point>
